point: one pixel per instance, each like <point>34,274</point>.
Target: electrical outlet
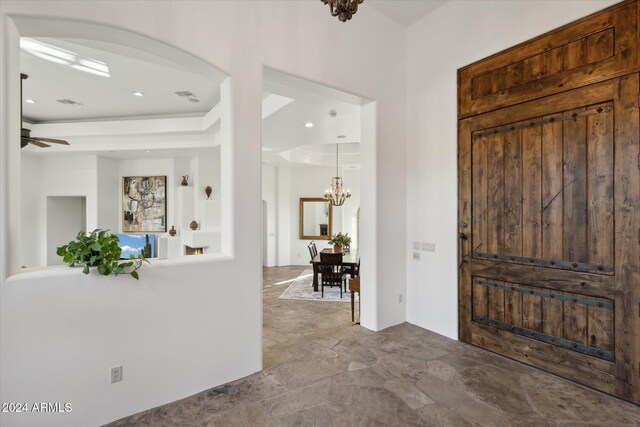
<point>416,256</point>
<point>116,374</point>
<point>416,246</point>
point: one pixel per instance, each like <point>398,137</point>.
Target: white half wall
<point>454,35</point>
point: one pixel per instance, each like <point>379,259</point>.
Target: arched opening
<point>131,111</point>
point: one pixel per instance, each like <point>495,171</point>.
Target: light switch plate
<point>428,247</point>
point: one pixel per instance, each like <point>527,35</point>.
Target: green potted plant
<point>340,242</point>
<point>99,249</point>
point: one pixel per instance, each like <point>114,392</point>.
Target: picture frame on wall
<point>144,204</point>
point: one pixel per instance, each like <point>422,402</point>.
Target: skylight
<point>62,56</point>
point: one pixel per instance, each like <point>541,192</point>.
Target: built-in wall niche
<point>193,251</point>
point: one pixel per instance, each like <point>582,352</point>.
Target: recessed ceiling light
<point>147,151</point>
<point>138,93</point>
<point>308,125</point>
<point>30,101</point>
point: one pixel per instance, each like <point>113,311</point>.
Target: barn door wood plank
<point>531,192</point>
<point>513,307</point>
<point>532,312</point>
<point>513,193</point>
<point>575,322</point>
<point>600,230</point>
<point>575,190</point>
<point>552,317</point>
<point>496,304</point>
<point>479,196</point>
<point>495,193</point>
<point>575,54</point>
<point>600,328</point>
<point>552,195</point>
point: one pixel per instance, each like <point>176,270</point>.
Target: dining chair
<point>313,251</point>
<point>352,271</point>
<point>332,271</point>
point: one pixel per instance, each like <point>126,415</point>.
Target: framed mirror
<point>315,219</point>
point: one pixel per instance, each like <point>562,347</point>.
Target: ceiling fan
<point>25,134</point>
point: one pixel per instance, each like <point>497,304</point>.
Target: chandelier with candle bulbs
<point>337,195</point>
<point>343,9</point>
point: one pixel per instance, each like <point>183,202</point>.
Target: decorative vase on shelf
<point>185,181</point>
<point>208,191</point>
<point>173,231</point>
<point>194,225</point>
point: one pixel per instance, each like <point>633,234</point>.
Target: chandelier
<point>337,195</point>
<point>343,9</point>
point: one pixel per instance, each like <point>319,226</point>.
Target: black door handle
<point>462,238</point>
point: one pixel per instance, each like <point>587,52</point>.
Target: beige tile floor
<point>321,371</point>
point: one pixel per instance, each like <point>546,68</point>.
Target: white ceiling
<point>49,64</point>
<point>285,139</point>
<point>112,122</point>
<point>405,12</point>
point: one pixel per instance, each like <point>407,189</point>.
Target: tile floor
<point>321,371</point>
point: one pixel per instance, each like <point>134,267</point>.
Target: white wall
<point>32,212</point>
<point>309,182</point>
<point>152,167</point>
<point>109,183</point>
<point>76,174</point>
<point>270,196</point>
<point>92,323</point>
<point>66,216</point>
<point>286,215</point>
<point>351,179</point>
<point>283,186</point>
<point>454,35</point>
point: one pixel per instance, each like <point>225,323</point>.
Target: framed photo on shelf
<point>144,204</point>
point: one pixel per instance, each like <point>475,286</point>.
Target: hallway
<point>320,370</point>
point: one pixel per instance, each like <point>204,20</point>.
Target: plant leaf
<point>134,274</point>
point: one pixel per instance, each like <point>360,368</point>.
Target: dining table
<point>349,259</point>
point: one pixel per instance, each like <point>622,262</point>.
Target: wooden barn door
<point>549,226</point>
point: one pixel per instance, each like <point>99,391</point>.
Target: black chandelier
<point>343,9</point>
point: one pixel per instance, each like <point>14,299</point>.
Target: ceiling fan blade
<point>54,141</point>
<point>38,143</point>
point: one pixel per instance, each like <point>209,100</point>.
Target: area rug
<point>302,289</point>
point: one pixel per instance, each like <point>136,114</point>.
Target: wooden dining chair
<point>332,271</point>
<point>352,271</point>
<point>313,251</point>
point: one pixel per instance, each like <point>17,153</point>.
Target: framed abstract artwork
<point>144,204</point>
